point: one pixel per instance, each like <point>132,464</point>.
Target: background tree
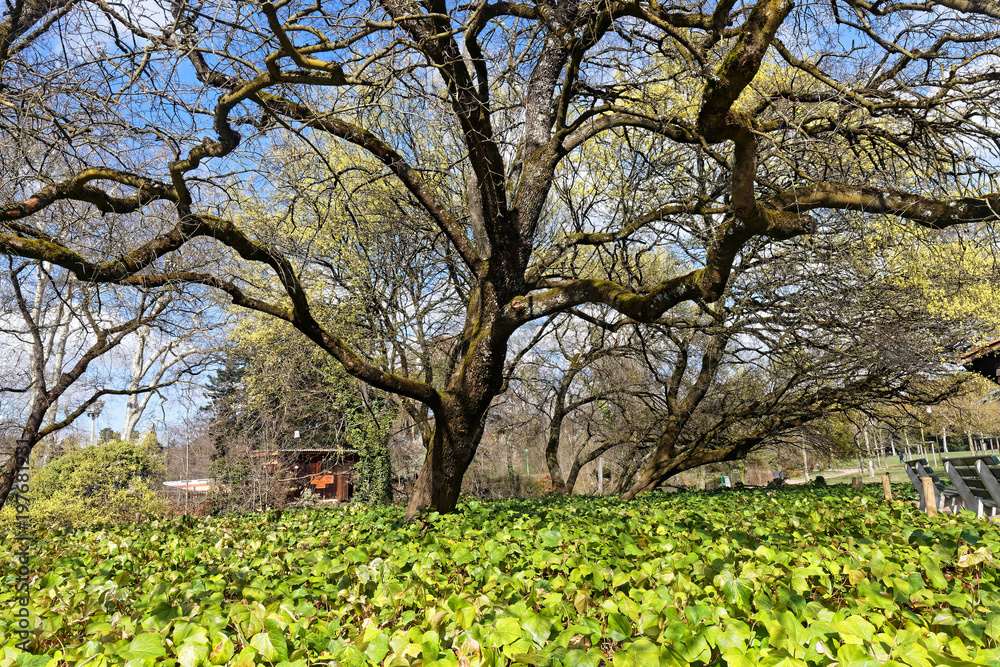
<point>56,329</point>
<point>166,355</point>
<point>276,385</point>
<point>224,392</point>
<point>793,343</point>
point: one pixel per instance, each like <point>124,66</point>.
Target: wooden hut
<point>328,472</point>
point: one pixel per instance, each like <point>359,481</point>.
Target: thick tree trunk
<point>449,454</point>
<point>552,453</point>
<point>653,475</point>
<point>10,468</point>
<point>8,472</point>
<point>459,419</point>
<point>19,458</point>
<point>440,480</point>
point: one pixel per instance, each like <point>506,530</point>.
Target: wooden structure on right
<point>984,360</point>
<point>328,472</point>
<point>975,484</point>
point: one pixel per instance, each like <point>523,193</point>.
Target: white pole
<point>805,461</point>
<point>868,448</point>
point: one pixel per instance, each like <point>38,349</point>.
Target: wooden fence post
<point>886,487</point>
<point>929,497</point>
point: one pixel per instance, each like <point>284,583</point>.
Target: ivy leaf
<point>507,631</point>
<point>853,655</point>
<point>462,555</point>
<point>32,660</point>
<point>993,626</point>
<point>880,567</point>
<point>430,645</point>
<point>222,649</point>
<point>357,556</point>
<point>378,647</point>
<point>537,627</point>
<point>146,645</point>
<point>192,654</point>
<point>550,538</point>
<point>619,626</point>
<point>854,629</point>
<point>737,657</point>
<point>580,658</point>
<point>465,613</point>
<point>788,661</point>
<point>641,653</point>
<point>737,592</point>
<point>160,616</point>
<point>270,642</point>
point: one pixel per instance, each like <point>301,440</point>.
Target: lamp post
<point>94,411</point>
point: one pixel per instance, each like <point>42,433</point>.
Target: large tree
<point>549,145</point>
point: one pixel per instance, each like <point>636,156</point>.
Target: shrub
<point>112,481</point>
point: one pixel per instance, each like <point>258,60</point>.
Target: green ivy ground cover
<point>741,578</point>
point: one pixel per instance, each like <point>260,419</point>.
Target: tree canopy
<point>527,158</point>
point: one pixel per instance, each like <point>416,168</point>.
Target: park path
<point>829,474</point>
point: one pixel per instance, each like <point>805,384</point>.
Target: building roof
<point>991,347</point>
<point>343,450</point>
<point>279,452</point>
<point>191,484</point>
<point>984,360</point>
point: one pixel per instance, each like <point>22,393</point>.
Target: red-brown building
<point>328,472</point>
